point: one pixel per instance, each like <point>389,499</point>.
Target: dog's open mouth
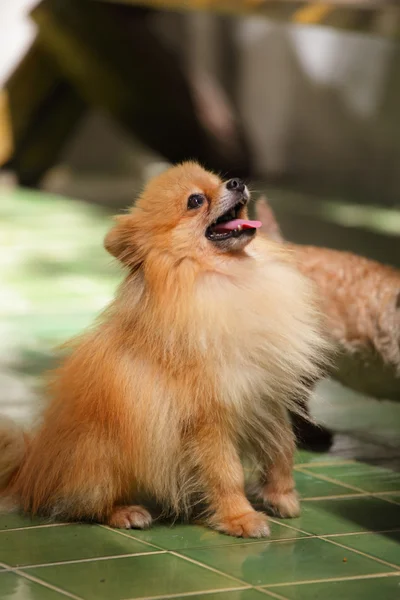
<point>229,224</point>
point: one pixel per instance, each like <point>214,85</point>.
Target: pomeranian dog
<point>194,364</point>
<point>361,301</point>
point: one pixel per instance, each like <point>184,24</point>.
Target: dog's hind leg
<point>278,492</point>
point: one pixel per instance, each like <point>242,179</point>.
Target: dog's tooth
<point>239,228</point>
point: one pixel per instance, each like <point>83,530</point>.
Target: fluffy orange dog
<point>195,363</point>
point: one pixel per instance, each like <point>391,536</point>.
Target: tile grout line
<point>205,566</point>
<point>334,579</point>
<point>29,527</point>
<point>189,594</point>
<point>394,492</point>
<point>360,491</point>
<point>85,560</point>
<point>389,500</point>
<point>265,540</point>
<point>374,558</point>
<point>328,463</point>
<point>277,522</point>
<point>335,497</point>
<point>366,532</point>
<point>45,584</point>
<point>243,542</point>
<point>131,537</point>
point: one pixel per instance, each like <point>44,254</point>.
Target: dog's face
<point>186,211</point>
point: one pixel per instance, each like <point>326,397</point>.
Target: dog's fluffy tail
<point>12,449</point>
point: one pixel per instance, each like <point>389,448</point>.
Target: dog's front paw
<point>252,524</point>
<point>130,517</point>
<point>285,506</point>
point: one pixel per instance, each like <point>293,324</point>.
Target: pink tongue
<point>231,225</point>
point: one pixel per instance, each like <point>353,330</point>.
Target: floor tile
<point>289,561</point>
<point>177,537</point>
<point>133,577</point>
<point>387,588</point>
<point>346,515</point>
<point>360,475</point>
<point>71,542</point>
<point>303,457</point>
<point>309,486</point>
<point>395,497</point>
<point>14,520</point>
<point>385,546</point>
<point>14,587</point>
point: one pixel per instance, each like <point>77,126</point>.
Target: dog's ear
<point>269,224</point>
<point>120,241</point>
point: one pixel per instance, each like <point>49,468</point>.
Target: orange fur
<point>361,301</point>
<point>196,362</point>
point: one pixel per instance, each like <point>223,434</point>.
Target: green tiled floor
<point>347,515</point>
<point>194,536</point>
<point>133,577</point>
<point>346,544</point>
<point>271,563</point>
<point>360,477</point>
<point>42,545</point>
<point>386,588</point>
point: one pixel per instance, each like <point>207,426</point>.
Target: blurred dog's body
<point>361,300</point>
<point>197,360</point>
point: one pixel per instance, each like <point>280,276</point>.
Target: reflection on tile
<point>288,561</point>
<point>14,587</point>
<point>347,515</point>
<point>360,475</point>
<point>70,542</point>
<point>133,577</point>
<point>385,546</point>
<point>177,537</point>
<point>387,588</point>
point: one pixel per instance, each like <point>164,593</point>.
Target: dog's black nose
<point>235,185</point>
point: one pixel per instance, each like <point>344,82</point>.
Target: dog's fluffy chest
<point>254,340</point>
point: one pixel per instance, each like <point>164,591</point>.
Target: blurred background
<point>300,98</point>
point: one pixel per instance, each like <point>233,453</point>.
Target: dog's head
<point>187,212</point>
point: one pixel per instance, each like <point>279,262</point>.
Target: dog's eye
<point>195,201</point>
